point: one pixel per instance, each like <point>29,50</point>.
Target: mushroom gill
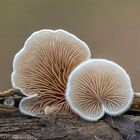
<point>41,69</point>
<point>99,86</point>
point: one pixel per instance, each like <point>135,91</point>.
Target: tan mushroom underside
<point>42,67</point>
<point>98,86</point>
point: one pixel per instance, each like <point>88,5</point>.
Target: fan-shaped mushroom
<point>41,69</point>
<point>98,86</point>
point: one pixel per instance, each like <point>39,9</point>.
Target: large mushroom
<point>41,69</point>
<point>99,86</point>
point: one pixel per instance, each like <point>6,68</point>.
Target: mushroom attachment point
<point>99,86</point>
<point>41,69</point>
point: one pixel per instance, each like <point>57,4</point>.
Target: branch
<point>14,125</point>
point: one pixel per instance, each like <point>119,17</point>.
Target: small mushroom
<point>9,101</point>
<point>99,86</point>
<point>41,69</point>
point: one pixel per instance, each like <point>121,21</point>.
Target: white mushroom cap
<point>98,86</point>
<point>41,69</point>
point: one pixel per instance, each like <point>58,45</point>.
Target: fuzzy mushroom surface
<point>99,86</point>
<point>41,69</point>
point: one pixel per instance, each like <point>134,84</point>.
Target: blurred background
<point>110,27</point>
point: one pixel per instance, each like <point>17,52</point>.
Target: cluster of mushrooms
<point>55,72</point>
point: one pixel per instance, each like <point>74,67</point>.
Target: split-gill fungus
<point>99,86</point>
<point>41,69</point>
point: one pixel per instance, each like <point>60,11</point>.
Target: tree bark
<point>14,125</point>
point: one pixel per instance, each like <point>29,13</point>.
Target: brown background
<point>110,27</point>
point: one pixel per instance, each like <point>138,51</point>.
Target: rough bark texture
<point>14,125</point>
